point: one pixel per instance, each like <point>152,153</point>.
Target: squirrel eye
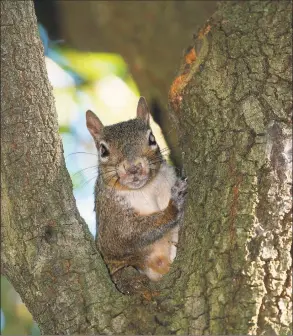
<point>104,151</point>
<point>152,140</point>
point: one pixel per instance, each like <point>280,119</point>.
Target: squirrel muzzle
<point>134,174</point>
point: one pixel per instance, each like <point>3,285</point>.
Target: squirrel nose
<point>134,168</point>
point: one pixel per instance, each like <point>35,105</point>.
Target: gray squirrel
<point>139,201</point>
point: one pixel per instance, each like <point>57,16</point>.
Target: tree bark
<point>231,106</point>
<point>48,253</point>
<point>234,95</point>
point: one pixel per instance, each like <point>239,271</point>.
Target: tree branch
<point>48,252</point>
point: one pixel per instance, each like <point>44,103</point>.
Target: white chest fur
<point>152,198</point>
<point>155,195</point>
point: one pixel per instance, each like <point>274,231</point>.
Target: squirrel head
<point>129,156</point>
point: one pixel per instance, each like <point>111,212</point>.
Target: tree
<point>230,105</point>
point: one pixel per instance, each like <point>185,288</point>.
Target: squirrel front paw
<point>178,192</point>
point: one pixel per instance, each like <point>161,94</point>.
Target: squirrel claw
<point>179,191</point>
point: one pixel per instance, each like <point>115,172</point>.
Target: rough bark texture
<point>231,105</point>
<point>236,97</point>
<point>47,251</point>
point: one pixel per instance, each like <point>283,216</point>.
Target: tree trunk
<point>231,106</point>
<point>232,102</point>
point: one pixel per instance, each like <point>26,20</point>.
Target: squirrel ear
<point>143,111</point>
<point>93,124</point>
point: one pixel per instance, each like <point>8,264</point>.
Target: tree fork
<point>233,270</point>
